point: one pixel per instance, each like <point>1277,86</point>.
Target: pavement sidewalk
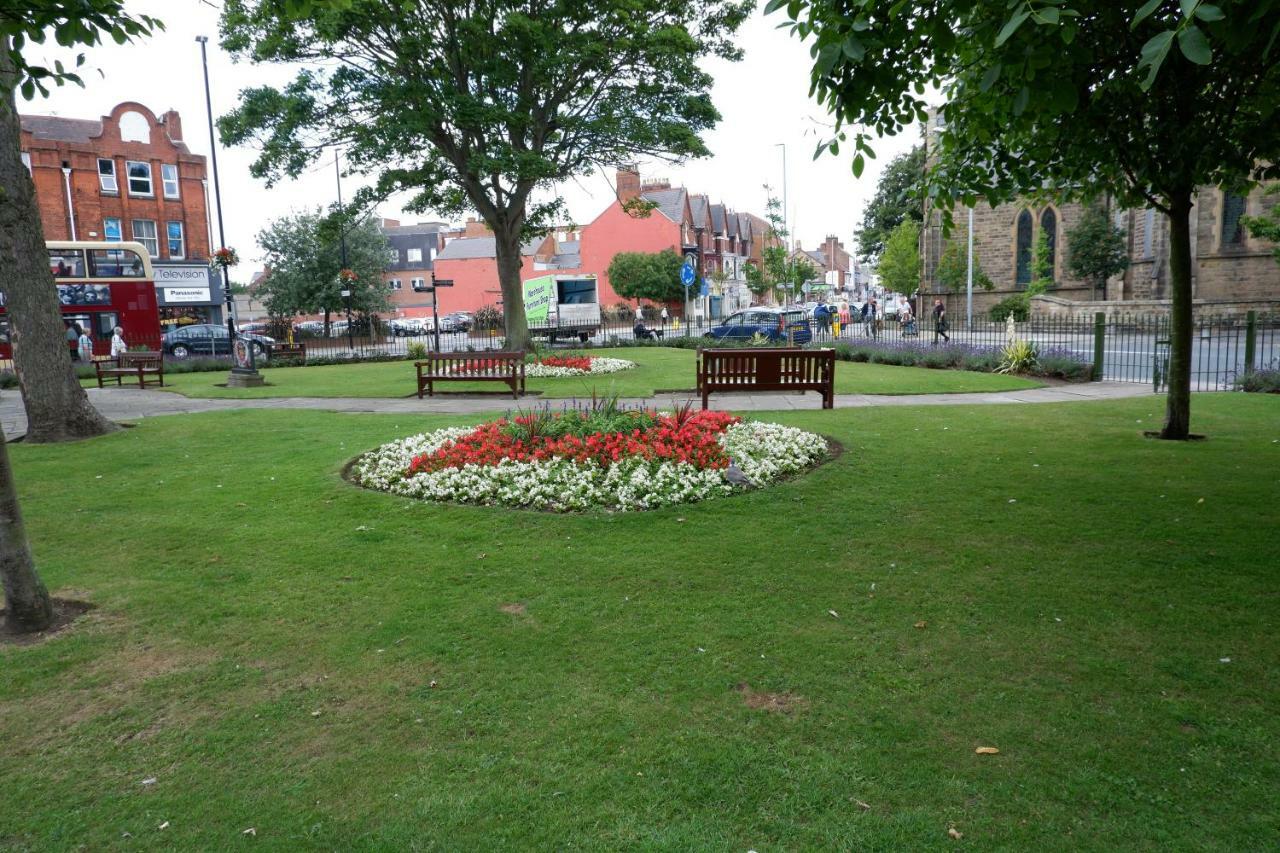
<point>128,404</point>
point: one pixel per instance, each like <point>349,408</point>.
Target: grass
<point>658,369</point>
<point>266,639</point>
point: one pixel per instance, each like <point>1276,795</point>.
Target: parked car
<point>773,323</point>
<point>411,326</point>
<point>309,327</point>
<point>208,339</point>
<point>457,321</point>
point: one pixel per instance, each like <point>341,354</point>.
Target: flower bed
<point>575,365</point>
<point>603,458</point>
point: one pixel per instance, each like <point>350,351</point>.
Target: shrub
<point>488,317</point>
<point>1019,305</point>
<point>1256,381</point>
<point>8,379</point>
<point>1018,357</point>
<point>416,350</point>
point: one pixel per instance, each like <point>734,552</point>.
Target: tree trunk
<point>510,267</point>
<point>1177,418</point>
<point>326,322</point>
<point>57,407</point>
<point>26,601</point>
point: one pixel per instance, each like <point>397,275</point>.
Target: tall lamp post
<point>786,216</point>
<point>342,241</point>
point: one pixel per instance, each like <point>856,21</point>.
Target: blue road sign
<point>687,275</point>
<point>706,291</point>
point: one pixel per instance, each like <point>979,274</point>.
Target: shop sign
<point>185,294</point>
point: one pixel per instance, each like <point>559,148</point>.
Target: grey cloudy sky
<point>763,101</point>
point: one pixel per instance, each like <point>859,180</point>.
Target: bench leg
<point>706,399</point>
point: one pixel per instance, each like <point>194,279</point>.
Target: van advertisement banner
<point>538,296</point>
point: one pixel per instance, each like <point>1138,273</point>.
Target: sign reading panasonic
<point>187,284</point>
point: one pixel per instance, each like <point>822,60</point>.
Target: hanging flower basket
<point>226,257</point>
<point>348,276</point>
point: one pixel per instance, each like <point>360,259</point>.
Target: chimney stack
<point>476,228</point>
<point>172,125</point>
<point>628,180</point>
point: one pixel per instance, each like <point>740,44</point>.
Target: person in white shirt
<point>118,346</point>
<point>639,314</point>
<point>665,315</point>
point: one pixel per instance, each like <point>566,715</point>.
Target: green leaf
<point>774,5</point>
<point>1153,55</point>
<point>1011,26</point>
<point>859,163</point>
<point>1021,100</point>
<point>828,56</point>
<point>1048,16</point>
<point>1143,13</point>
<point>1188,7</point>
<point>1194,45</point>
<point>990,77</point>
<point>1207,12</point>
<point>853,48</point>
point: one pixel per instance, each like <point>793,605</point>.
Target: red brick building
<point>129,176</point>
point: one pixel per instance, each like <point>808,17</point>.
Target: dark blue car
<point>773,323</point>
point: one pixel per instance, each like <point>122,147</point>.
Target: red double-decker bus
<point>101,286</point>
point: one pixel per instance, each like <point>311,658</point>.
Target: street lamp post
<point>217,192</point>
<point>786,216</point>
<point>346,300</point>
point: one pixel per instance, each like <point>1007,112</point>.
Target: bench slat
<point>771,369</point>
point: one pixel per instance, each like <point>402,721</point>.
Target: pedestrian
<point>822,317</point>
<point>665,316</point>
<point>907,319</point>
<point>118,346</point>
<point>940,322</point>
<point>85,344</point>
<point>872,310</point>
<point>866,306</point>
<point>73,338</point>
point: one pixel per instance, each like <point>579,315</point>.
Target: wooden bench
<point>147,367</point>
<point>767,369</point>
<point>507,367</point>
<point>287,352</point>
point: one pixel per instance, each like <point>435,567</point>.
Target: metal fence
<point>1131,348</point>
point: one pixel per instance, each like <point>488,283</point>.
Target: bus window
<point>66,263</point>
<point>115,263</point>
<point>104,325</point>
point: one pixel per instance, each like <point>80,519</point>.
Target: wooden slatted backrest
<point>145,359</point>
<point>480,364</point>
<point>766,366</point>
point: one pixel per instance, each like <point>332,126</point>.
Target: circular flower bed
<point>575,365</point>
<point>602,458</point>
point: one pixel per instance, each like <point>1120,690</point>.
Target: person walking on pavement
<point>665,316</point>
<point>822,317</point>
<point>118,345</point>
<point>85,344</point>
<point>871,309</point>
<point>940,324</point>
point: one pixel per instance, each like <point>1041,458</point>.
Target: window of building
<point>1022,248</point>
<point>26,160</point>
<point>1232,228</point>
<point>415,256</point>
<point>177,246</point>
<point>111,230</point>
<point>107,176</point>
<point>139,177</point>
<point>169,177</point>
<point>394,284</point>
<point>418,284</point>
<point>1049,225</point>
<point>144,231</point>
<point>433,254</point>
<point>1121,221</point>
<point>1148,233</point>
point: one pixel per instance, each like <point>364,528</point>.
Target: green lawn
<point>659,368</point>
<point>266,639</point>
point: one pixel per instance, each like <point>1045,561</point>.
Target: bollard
<point>1099,343</point>
<point>1250,341</point>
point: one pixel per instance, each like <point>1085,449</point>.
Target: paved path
<point>124,404</point>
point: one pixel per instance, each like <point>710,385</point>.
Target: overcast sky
<point>763,100</point>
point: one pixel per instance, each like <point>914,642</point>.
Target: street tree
<point>57,407</point>
<point>481,104</point>
<point>647,275</point>
<point>1145,101</point>
<point>303,253</point>
<point>953,269</point>
<point>1096,249</point>
<point>1267,225</point>
<point>897,199</point>
<point>899,267</point>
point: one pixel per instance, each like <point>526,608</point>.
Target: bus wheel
<point>180,351</point>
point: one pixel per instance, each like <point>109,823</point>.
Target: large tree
<point>1096,249</point>
<point>899,267</point>
<point>897,199</point>
<point>478,104</point>
<point>1146,101</point>
<point>57,407</point>
<point>303,256</point>
<point>647,275</point>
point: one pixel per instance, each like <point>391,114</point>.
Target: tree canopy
<point>1145,101</point>
<point>647,275</point>
<point>478,104</point>
<point>897,199</point>
<point>953,269</point>
<point>1096,249</point>
<point>899,267</point>
<point>303,257</point>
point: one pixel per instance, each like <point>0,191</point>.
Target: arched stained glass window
<point>1049,225</point>
<point>1232,228</point>
<point>1022,248</point>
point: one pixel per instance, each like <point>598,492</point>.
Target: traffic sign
<point>687,275</point>
<point>706,290</point>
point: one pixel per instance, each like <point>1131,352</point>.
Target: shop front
<point>189,293</point>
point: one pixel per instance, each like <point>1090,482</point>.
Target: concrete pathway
<point>125,404</point>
